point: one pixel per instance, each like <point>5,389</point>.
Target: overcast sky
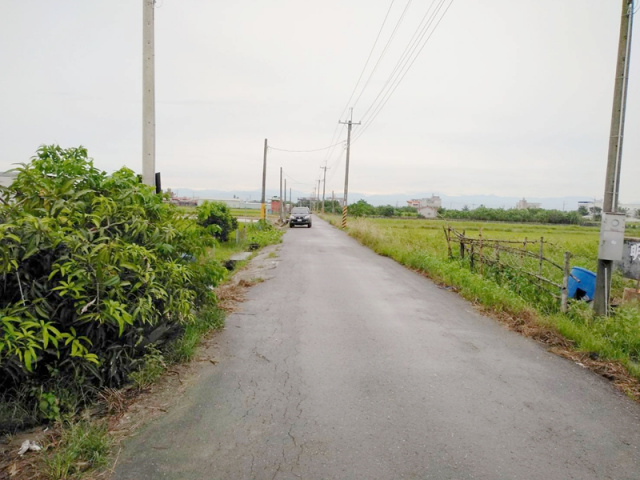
<point>507,97</point>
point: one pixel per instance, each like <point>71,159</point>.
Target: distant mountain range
<point>400,199</point>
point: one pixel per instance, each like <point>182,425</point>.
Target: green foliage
<point>263,234</point>
<point>151,368</point>
<point>530,215</point>
<point>217,218</point>
<point>184,348</point>
<point>92,265</point>
<point>83,446</point>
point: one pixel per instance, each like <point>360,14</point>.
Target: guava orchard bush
<point>93,267</point>
<point>217,218</point>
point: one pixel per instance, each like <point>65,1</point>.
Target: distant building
<point>428,212</point>
<point>524,205</point>
<point>434,202</point>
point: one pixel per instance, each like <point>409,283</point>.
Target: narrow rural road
<point>345,365</point>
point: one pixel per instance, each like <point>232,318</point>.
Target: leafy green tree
<point>93,265</point>
<point>217,217</point>
<point>361,209</point>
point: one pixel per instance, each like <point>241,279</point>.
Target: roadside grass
<point>421,245</point>
<point>81,446</point>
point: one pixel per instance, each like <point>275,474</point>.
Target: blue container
<point>584,287</point>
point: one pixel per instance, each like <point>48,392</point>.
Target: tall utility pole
<point>318,197</point>
<point>346,170</point>
<point>148,95</point>
<point>285,196</point>
<point>281,195</point>
<point>612,181</point>
<point>263,209</point>
<point>333,202</point>
<point>324,185</point>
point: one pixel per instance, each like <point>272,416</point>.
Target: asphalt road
<point>345,365</point>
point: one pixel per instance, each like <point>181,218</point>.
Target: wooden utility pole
<point>612,181</point>
<point>324,185</point>
<point>281,217</point>
<point>148,95</point>
<point>263,207</point>
<point>346,171</point>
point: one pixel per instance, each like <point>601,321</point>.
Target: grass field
<point>421,245</point>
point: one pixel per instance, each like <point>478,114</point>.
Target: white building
<point>433,202</point>
<point>524,205</point>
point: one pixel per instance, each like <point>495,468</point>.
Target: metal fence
<point>518,260</point>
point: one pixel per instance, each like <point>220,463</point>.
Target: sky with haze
<point>506,97</point>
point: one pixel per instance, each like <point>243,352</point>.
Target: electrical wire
<point>384,51</point>
<point>399,79</point>
<point>302,151</point>
<point>368,58</point>
<point>408,50</point>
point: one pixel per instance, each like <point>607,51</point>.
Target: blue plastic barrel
<point>584,287</point>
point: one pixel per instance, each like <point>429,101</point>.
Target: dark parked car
<point>300,216</point>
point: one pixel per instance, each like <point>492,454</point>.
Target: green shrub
<point>92,267</point>
<point>217,217</point>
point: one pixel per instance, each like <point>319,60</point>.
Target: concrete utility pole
<point>324,185</point>
<point>285,196</point>
<point>318,197</point>
<point>346,170</point>
<point>612,181</point>
<point>263,209</point>
<point>148,95</point>
<point>281,195</point>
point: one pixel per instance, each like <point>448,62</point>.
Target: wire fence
<point>521,265</point>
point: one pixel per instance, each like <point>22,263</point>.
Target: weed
<point>184,348</point>
<point>153,365</point>
<point>82,446</point>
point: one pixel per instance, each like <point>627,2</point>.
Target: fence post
<point>471,262</point>
<point>565,283</point>
<point>462,245</point>
<point>447,234</point>
<point>541,255</point>
<point>481,259</point>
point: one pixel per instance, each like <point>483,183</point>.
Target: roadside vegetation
<point>421,245</point>
<point>105,284</point>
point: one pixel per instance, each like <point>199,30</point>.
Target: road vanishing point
<point>345,365</point>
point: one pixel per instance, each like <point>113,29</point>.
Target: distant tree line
<point>529,215</point>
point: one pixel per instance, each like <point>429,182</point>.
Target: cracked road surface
<point>345,365</point>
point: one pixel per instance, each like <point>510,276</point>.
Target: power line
<point>409,48</point>
<point>397,81</point>
<point>368,58</point>
<point>303,151</point>
<point>384,51</point>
